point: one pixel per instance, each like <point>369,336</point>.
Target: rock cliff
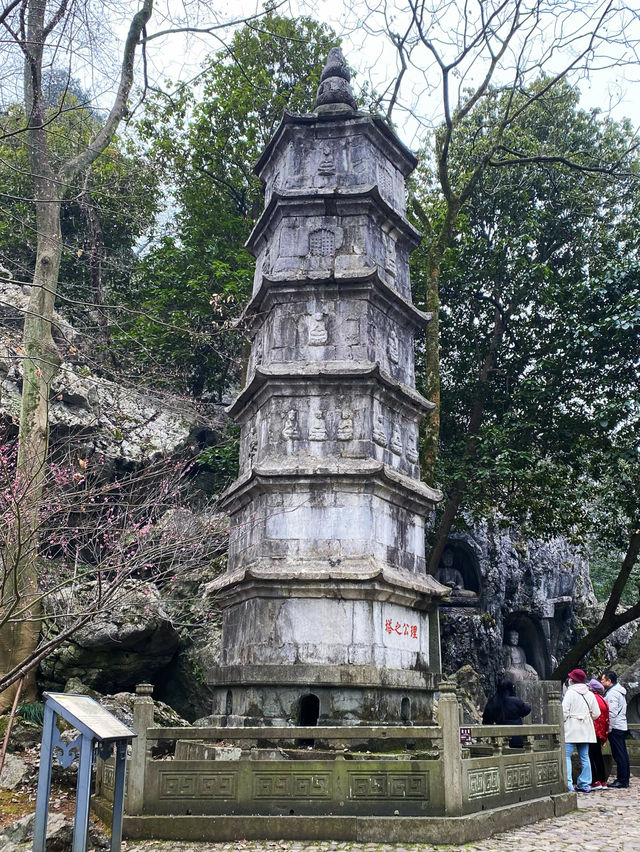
<point>540,589</point>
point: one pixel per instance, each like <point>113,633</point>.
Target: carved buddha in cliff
<point>451,576</point>
<point>514,660</point>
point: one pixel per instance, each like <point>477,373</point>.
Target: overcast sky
<point>369,52</point>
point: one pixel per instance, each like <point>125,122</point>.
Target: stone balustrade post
<point>556,717</point>
<point>449,720</point>
<point>142,719</point>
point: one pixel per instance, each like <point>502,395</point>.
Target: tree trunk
<point>18,639</point>
<point>458,487</point>
<point>429,454</point>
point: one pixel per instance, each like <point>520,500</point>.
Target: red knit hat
<point>578,676</point>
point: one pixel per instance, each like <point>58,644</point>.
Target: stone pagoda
<point>328,614</point>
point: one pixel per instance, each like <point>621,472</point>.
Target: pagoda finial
<point>334,92</point>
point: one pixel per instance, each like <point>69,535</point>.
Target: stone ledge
<point>370,282</point>
<point>369,829</point>
<point>356,570</point>
<point>396,487</point>
<point>326,675</point>
<point>328,371</point>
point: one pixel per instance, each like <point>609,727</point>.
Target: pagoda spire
<point>334,92</point>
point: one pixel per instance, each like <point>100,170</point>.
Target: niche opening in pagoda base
<point>308,713</point>
<point>405,710</point>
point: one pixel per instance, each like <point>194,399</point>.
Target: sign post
<point>98,728</point>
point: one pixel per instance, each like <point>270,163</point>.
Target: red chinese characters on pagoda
<point>401,629</point>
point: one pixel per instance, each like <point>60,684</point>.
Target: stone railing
<point>633,747</point>
<point>350,771</point>
<point>493,774</point>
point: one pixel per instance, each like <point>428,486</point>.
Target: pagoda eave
<point>285,473</point>
<point>269,576</point>
<point>329,201</point>
<point>372,126</point>
<point>327,372</point>
<point>368,282</point>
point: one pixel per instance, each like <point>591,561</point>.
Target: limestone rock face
<point>539,589</point>
<point>113,420</point>
<point>59,834</point>
<point>14,771</point>
<point>119,648</point>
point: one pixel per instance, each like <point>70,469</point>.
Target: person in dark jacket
<point>505,708</point>
<point>615,696</point>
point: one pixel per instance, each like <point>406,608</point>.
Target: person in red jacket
<point>601,724</point>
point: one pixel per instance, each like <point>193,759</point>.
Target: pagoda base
<point>320,694</point>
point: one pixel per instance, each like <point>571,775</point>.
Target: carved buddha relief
<point>396,440</point>
<point>291,430</point>
<point>266,261</point>
<point>318,334</point>
<point>326,165</point>
<point>393,348</point>
<point>252,447</point>
<point>345,426</point>
<point>412,449</point>
<point>318,428</point>
<point>379,432</point>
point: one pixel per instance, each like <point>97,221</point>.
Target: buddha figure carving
<point>451,576</point>
<point>514,659</point>
<point>317,330</point>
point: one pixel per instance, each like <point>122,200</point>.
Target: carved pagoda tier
<point>328,614</point>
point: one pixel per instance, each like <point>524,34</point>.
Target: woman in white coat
<point>580,708</point>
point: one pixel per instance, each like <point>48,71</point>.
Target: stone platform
<point>342,783</point>
<point>582,830</point>
<point>369,829</point>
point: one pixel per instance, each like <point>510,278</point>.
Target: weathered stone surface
<point>540,589</point>
<point>567,828</point>
<point>120,647</point>
<point>471,696</point>
<point>121,705</point>
<point>14,771</point>
<point>305,240</point>
<point>59,835</point>
<point>326,551</point>
<point>112,420</point>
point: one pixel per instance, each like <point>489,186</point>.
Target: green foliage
<point>194,282</point>
<point>31,711</point>
<point>551,252</point>
<point>604,565</point>
<point>221,461</point>
<point>122,186</point>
